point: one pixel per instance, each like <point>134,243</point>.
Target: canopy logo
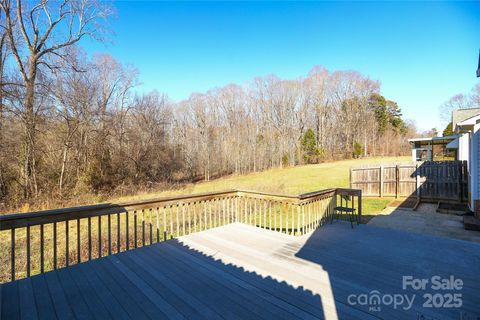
<point>375,300</point>
<point>437,292</point>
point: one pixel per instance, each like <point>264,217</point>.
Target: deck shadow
<point>164,280</point>
<point>367,264</point>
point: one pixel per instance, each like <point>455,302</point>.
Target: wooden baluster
<point>189,210</point>
<point>42,249</point>
<point>143,228</point>
<point>89,220</point>
<point>183,219</point>
<point>245,211</point>
<point>205,215</point>
<point>67,249</point>
<point>239,209</point>
<point>264,224</point>
<point>293,220</point>
<point>308,216</point>
<point>211,223</point>
<point>28,251</point>
<point>270,215</point>
<point>319,212</point>
<point>135,228</point>
<point>118,233</point>
<point>158,224</point>
<point>127,238</point>
<point>305,217</point>
<point>281,218</point>
<point>301,219</point>
<point>54,245</point>
<point>249,211</point>
<point>151,226</point>
<point>275,215</point>
<point>79,251</point>
<point>228,211</point>
<point>313,215</point>
<point>310,220</point>
<point>177,233</point>
<point>109,222</point>
<point>254,212</point>
<point>210,214</point>
<point>12,252</point>
<point>171,222</point>
<point>224,211</point>
<point>213,213</point>
<point>195,216</point>
<point>99,253</point>
<point>164,223</point>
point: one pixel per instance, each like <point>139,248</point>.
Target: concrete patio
<point>425,220</point>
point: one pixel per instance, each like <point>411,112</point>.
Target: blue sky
<point>422,52</point>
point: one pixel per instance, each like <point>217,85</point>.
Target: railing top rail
<point>348,192</point>
<point>315,193</point>
<point>55,215</point>
<point>267,194</point>
<point>17,220</point>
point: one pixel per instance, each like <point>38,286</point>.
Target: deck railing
<point>41,241</point>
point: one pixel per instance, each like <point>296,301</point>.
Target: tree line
<point>72,124</point>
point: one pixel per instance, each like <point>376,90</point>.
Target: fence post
<point>397,180</point>
<point>351,177</point>
<point>380,189</point>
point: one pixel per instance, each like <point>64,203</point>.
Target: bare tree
<point>35,31</point>
<point>459,101</point>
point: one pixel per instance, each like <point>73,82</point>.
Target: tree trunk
<point>64,164</point>
<point>30,185</point>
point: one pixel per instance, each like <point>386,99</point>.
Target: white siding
<point>463,147</point>
<point>476,141</point>
<point>474,165</point>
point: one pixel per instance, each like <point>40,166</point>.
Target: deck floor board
<point>243,272</point>
<point>256,303</point>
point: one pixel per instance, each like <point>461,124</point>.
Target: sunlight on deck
<point>268,254</point>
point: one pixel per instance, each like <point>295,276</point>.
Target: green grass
<point>291,180</point>
<point>373,206</point>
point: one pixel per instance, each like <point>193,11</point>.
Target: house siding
<point>474,165</point>
<point>477,162</point>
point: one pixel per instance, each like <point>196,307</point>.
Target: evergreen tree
<point>309,147</point>
<point>394,114</point>
<point>448,131</point>
<point>379,106</point>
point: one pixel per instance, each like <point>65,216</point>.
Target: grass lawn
<point>292,180</point>
<point>373,206</point>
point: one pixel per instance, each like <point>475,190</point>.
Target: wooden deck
<point>242,272</point>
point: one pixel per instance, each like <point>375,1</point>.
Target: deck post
<point>359,205</point>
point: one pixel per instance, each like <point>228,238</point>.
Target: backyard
<point>291,180</point>
<point>283,181</point>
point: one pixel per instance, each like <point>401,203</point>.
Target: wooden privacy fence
<point>36,242</point>
<point>429,180</point>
